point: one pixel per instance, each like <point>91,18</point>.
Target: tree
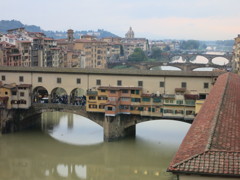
<point>137,55</point>
<point>189,45</point>
<point>156,53</point>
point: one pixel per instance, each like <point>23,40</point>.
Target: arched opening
<point>165,132</point>
<point>220,61</point>
<point>59,95</point>
<point>169,68</point>
<point>200,60</point>
<point>40,95</point>
<point>177,59</point>
<point>71,128</point>
<point>204,69</point>
<point>77,97</point>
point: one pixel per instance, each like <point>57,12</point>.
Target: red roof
<point>212,144</point>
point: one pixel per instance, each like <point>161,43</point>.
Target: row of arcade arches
<point>59,95</point>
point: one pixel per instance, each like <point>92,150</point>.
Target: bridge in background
<point>188,66</point>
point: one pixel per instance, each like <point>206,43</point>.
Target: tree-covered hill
<point>12,24</point>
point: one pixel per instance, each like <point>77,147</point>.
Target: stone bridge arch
<point>78,96</point>
<point>223,58</point>
<point>40,95</point>
<point>204,58</point>
<point>59,95</point>
<point>39,108</point>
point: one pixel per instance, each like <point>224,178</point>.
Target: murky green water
<point>66,146</point>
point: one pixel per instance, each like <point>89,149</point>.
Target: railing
<point>58,106</point>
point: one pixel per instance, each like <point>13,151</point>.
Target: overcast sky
<point>153,19</point>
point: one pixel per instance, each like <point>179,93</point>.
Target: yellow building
<point>198,106</point>
<point>6,92</point>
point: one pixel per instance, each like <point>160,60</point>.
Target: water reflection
<point>35,155</point>
<point>204,69</point>
<point>72,129</point>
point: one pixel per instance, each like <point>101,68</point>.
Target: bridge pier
<point>114,129</point>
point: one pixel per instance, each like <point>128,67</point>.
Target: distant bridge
<point>183,66</point>
<point>188,66</point>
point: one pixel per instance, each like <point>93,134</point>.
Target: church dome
<point>130,33</point>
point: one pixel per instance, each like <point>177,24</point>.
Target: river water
<point>68,146</point>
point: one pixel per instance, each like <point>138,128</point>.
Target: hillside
<point>12,24</point>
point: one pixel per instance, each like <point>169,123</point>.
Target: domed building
<point>129,34</point>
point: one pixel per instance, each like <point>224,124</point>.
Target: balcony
<point>92,93</point>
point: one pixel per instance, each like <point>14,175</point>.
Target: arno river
<point>68,146</point>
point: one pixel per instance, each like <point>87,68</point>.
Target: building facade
<point>236,55</point>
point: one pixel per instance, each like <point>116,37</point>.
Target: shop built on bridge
<point>116,100</point>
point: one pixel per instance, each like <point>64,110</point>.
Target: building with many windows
<point>132,100</point>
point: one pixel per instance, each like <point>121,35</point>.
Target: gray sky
<point>153,19</point>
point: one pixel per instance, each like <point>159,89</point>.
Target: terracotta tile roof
<point>212,144</point>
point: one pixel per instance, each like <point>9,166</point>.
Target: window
<point>119,82</point>
<point>78,81</point>
<point>98,82</point>
<point>140,83</point>
<point>101,106</point>
<point>21,79</point>
<point>102,98</point>
<point>179,102</point>
<point>156,100</point>
<point>14,93</point>
<point>110,108</point>
<point>202,96</point>
<point>112,91</point>
<point>190,102</point>
<point>6,93</point>
<point>59,80</point>
<point>184,85</point>
<point>21,93</point>
<point>145,99</point>
<point>179,112</point>
<point>92,97</point>
<point>92,106</point>
<point>168,111</point>
<point>190,113</point>
<point>3,78</point>
<point>39,79</point>
<point>136,100</point>
<point>125,99</point>
<point>124,91</point>
<point>134,91</point>
<point>162,84</point>
<point>205,85</point>
<point>103,90</point>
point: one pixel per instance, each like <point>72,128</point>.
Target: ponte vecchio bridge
<point>69,80</point>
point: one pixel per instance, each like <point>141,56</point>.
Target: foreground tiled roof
<point>212,144</point>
